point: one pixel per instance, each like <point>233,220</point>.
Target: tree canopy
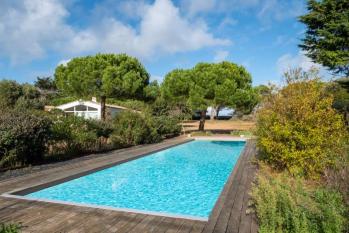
<point>327,36</point>
<point>103,75</point>
<point>210,84</point>
<point>45,83</point>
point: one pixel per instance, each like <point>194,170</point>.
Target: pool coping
<point>18,193</point>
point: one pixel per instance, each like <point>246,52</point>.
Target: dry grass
<point>219,125</point>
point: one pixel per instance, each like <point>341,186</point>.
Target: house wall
<point>89,110</point>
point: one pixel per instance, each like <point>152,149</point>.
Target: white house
<point>90,109</point>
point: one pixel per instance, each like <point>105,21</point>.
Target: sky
<point>261,35</point>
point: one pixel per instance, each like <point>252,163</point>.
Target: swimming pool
<point>184,180</point>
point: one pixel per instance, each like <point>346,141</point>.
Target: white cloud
<point>129,9</point>
<point>194,7</point>
<point>283,40</point>
<point>279,10</point>
<point>170,32</point>
<point>287,61</point>
<point>266,10</point>
<point>157,78</point>
<point>63,62</point>
<point>158,33</point>
<point>31,28</point>
<point>221,55</point>
<point>227,22</point>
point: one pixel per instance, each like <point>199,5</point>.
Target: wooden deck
<point>229,214</point>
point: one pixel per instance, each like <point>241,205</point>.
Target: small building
<point>89,109</point>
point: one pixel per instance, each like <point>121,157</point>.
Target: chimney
<point>94,99</point>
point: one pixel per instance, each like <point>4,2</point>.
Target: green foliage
<point>30,98</point>
<point>263,90</point>
<point>14,95</point>
<point>340,95</point>
<point>10,91</point>
<point>132,128</point>
<point>104,76</point>
<point>107,75</point>
<point>201,133</point>
<point>167,126</point>
<point>344,83</point>
<point>45,84</point>
<point>163,107</point>
<point>72,135</point>
<point>286,205</point>
<point>9,228</point>
<point>299,130</point>
<point>327,37</point>
<point>217,84</point>
<point>61,100</point>
<point>207,84</point>
<point>246,133</point>
<point>152,91</point>
<point>133,104</point>
<point>23,137</point>
<point>246,100</point>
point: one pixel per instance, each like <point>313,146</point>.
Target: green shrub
<point>167,126</point>
<point>9,228</point>
<point>130,104</point>
<point>133,128</point>
<point>246,133</point>
<point>286,205</point>
<point>72,135</point>
<point>61,100</point>
<point>201,133</point>
<point>25,103</point>
<point>179,110</point>
<point>21,97</point>
<point>10,91</point>
<point>298,129</point>
<point>23,137</point>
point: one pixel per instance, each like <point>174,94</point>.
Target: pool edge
<point>19,193</point>
<point>127,210</point>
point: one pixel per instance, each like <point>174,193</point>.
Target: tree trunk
<point>103,99</point>
<point>202,120</point>
<point>212,115</point>
<point>217,112</point>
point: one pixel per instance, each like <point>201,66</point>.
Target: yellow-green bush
<point>298,129</point>
<point>287,205</point>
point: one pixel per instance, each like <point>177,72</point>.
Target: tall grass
<point>289,205</point>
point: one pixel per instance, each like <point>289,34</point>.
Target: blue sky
<point>262,35</point>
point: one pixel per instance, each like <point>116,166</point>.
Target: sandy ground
<point>224,125</point>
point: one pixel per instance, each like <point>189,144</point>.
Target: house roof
<point>88,103</point>
<point>115,106</point>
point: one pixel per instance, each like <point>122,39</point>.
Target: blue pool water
<point>183,180</point>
